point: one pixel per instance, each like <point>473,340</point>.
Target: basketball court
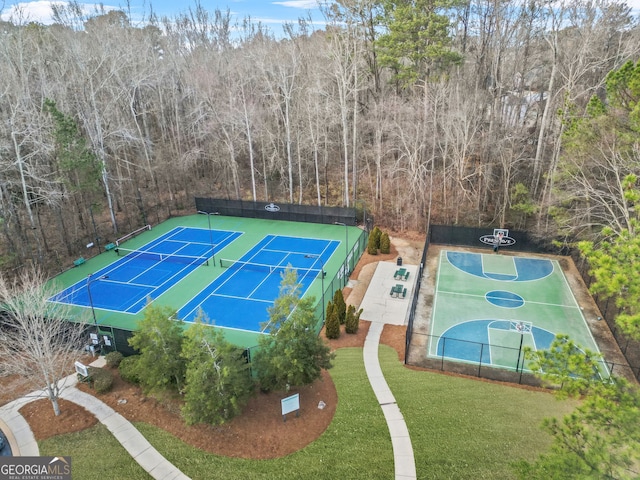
<point>487,307</point>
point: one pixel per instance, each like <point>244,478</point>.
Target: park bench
<point>79,261</point>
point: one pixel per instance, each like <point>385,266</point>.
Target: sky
<point>270,13</point>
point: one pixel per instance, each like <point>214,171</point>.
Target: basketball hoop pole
<point>520,352</point>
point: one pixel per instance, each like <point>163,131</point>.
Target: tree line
<point>461,110</point>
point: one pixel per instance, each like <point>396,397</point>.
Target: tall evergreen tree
<point>159,340</point>
<point>292,354</point>
<point>340,306</point>
<point>332,324</point>
<point>80,166</point>
<point>417,41</point>
<point>218,380</point>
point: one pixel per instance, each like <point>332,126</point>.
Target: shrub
<point>352,322</point>
<point>129,369</point>
<point>385,243</point>
<point>372,249</point>
<point>332,325</point>
<point>113,359</point>
<point>102,379</point>
<point>376,233</point>
<point>340,305</point>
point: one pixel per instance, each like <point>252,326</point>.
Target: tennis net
<point>161,257</point>
<point>262,267</point>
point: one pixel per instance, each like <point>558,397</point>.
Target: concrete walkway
<point>23,443</point>
<point>17,430</point>
<point>380,308</point>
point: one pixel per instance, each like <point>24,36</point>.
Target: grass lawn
<point>460,428</point>
<point>356,444</point>
<point>95,455</point>
<point>463,428</point>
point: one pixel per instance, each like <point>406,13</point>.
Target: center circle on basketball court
<point>504,299</point>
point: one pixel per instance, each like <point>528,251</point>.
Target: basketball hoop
<point>499,238</point>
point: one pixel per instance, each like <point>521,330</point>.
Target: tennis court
<point>240,296</point>
<point>488,307</point>
<point>125,285</point>
<point>227,270</point>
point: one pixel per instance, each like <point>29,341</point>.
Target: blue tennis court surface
<point>240,296</point>
<point>237,298</point>
<point>125,285</point>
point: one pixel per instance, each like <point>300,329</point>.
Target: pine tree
<point>159,341</point>
<point>341,306</point>
<point>218,381</point>
<point>385,243</point>
<point>352,322</point>
<point>332,325</point>
<point>372,248</point>
<point>292,354</point>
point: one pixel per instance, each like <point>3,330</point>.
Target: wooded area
<point>464,112</point>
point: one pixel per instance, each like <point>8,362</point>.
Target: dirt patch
<point>259,432</point>
<point>394,336</point>
<point>44,423</point>
<point>13,386</point>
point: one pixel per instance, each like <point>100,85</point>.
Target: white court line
<point>280,265</point>
<point>593,340</point>
<point>235,297</point>
<point>446,292</point>
<point>433,307</point>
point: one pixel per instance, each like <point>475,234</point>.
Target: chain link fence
<point>469,236</point>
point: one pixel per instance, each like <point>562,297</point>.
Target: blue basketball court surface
<point>488,307</point>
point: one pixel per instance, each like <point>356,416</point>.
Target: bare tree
<point>37,341</point>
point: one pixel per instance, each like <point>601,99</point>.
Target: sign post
<point>290,404</point>
<point>81,369</point>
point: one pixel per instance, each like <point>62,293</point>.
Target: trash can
<point>399,261</point>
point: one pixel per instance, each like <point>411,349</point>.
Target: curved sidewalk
<point>17,430</point>
<point>23,443</point>
<point>380,308</point>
